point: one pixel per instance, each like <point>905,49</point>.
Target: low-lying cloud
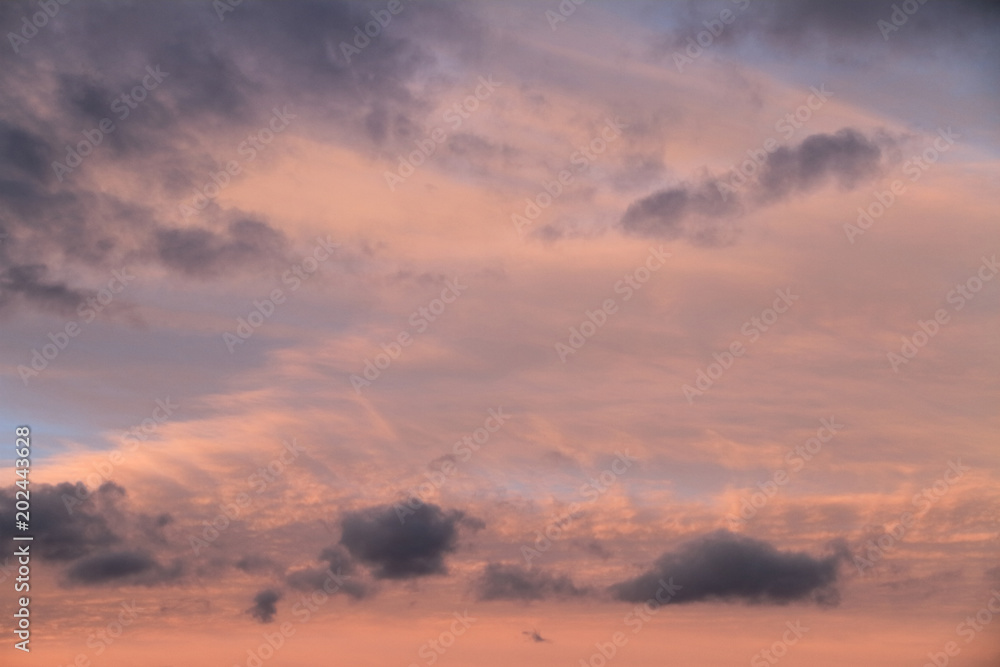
<point>729,567</point>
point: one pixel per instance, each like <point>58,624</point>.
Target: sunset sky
<point>502,333</point>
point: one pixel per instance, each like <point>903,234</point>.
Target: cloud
<point>703,212</point>
<point>846,156</point>
<point>107,567</point>
<point>535,636</point>
<point>335,578</point>
<point>65,527</point>
<point>668,213</point>
<point>212,88</point>
<point>23,154</point>
<point>94,533</point>
<point>208,96</point>
<point>204,253</point>
<point>254,563</point>
<point>337,559</point>
<point>726,566</point>
<point>500,581</point>
<point>401,546</point>
<point>28,282</point>
<point>265,605</point>
<point>814,26</point>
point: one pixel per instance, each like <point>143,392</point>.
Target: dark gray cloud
<point>847,157</point>
<point>24,167</point>
<point>683,211</point>
<point>94,533</point>
<point>121,567</point>
<point>265,605</point>
<point>725,566</point>
<point>502,581</point>
<point>67,521</point>
<point>401,547</point>
<point>704,212</point>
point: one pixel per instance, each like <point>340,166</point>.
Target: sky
<point>486,333</point>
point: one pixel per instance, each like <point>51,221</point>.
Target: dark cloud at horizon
<point>724,566</point>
